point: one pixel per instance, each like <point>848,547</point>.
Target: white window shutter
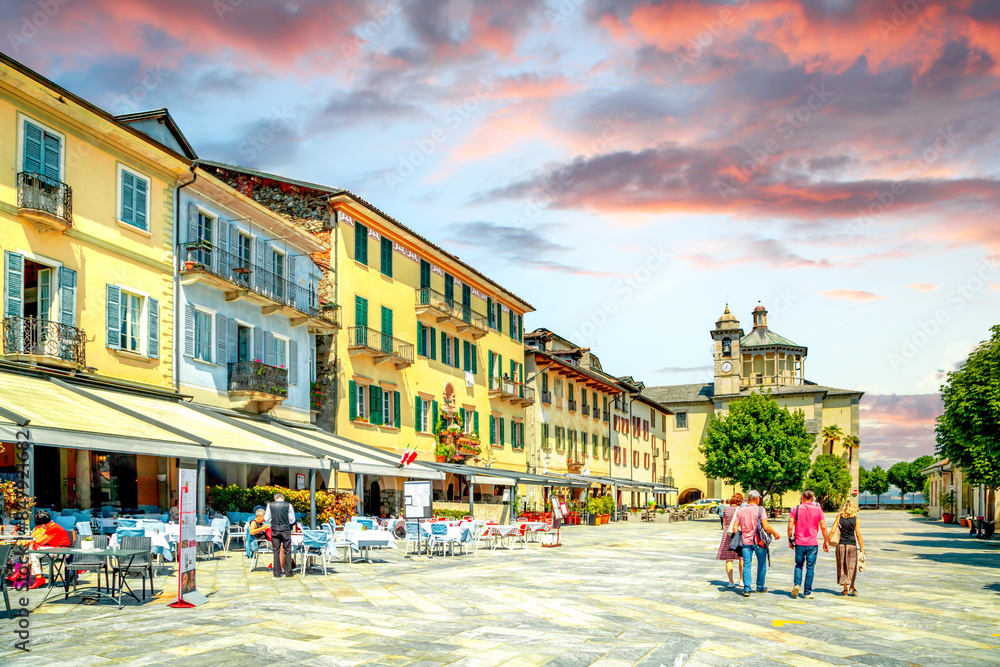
<point>188,330</point>
<point>221,335</point>
<point>293,362</point>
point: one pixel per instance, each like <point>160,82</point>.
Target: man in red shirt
<point>803,527</point>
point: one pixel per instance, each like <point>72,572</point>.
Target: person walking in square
<point>281,516</point>
<point>851,543</point>
<point>725,553</point>
<point>746,521</point>
<point>803,527</point>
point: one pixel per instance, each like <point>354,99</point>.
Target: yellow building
<point>426,339</point>
<point>758,361</point>
<point>86,228</point>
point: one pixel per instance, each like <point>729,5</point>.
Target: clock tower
<point>728,359</point>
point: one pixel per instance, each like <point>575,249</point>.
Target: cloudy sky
<point>627,167</point>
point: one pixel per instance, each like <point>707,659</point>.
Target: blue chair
<point>127,523</point>
<point>109,511</point>
<point>254,548</point>
<point>69,512</point>
<point>150,509</point>
<point>129,532</point>
<point>315,544</point>
<point>234,517</point>
<point>412,537</point>
<point>83,516</point>
<point>222,525</point>
<point>67,522</point>
<point>439,532</point>
<point>165,517</point>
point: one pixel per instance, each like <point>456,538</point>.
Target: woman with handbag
<point>726,553</point>
<point>846,534</point>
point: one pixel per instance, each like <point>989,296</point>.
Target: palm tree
<point>831,436</point>
<point>850,442</point>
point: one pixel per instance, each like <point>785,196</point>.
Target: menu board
<point>188,515</point>
<point>417,500</point>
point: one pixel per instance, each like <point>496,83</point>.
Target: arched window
<point>727,347</point>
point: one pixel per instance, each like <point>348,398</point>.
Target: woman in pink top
<point>746,520</point>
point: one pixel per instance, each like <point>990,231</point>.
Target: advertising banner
<point>187,545</point>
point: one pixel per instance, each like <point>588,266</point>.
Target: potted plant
<point>87,543</point>
<point>947,500</point>
<point>443,452</point>
<point>593,511</point>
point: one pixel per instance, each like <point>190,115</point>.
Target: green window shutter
<point>433,339</point>
<point>475,422</point>
<point>128,198</point>
<point>466,354</point>
<point>499,318</point>
<point>489,364</point>
<point>511,323</point>
<point>67,296</point>
<point>500,441</point>
<point>475,353</point>
<point>395,408</point>
<point>375,404</point>
<point>434,415</point>
<point>425,274</point>
<point>153,335</point>
<point>421,343</point>
<point>493,429</point>
<point>520,328</point>
<point>445,357</point>
<point>50,159</point>
<point>461,413</point>
<point>114,317</point>
<point>361,243</point>
<point>386,321</point>
<point>490,315</point>
<point>32,161</point>
<point>360,311</point>
<point>386,257</point>
<point>13,298</point>
<point>416,413</point>
<point>353,399</point>
<point>456,361</point>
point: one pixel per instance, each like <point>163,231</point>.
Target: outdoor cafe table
<point>202,533</point>
<point>60,554</point>
<point>364,540</point>
<point>158,542</point>
<point>536,527</point>
<point>456,532</point>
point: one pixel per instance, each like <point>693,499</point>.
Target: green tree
<point>968,431</point>
<point>830,480</point>
<point>850,442</point>
<point>758,445</point>
<point>899,477</point>
<point>831,436</point>
<point>917,481</point>
<point>877,482</point>
<point>862,478</point>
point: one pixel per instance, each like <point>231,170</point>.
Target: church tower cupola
<point>728,359</point>
<point>759,317</point>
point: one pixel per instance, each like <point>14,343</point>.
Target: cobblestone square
<point>621,594</point>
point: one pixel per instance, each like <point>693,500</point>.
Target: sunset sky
<point>833,159</point>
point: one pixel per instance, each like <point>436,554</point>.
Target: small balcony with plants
<point>453,444</point>
<point>254,383</point>
<point>47,204</point>
<point>381,347</point>
<point>42,341</point>
<point>444,309</point>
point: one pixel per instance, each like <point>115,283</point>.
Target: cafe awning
<point>479,475</point>
<point>625,484</point>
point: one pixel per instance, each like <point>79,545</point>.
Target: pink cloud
<point>897,427</point>
<point>922,287</point>
<point>850,295</point>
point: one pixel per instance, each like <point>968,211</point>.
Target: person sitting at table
<point>47,533</point>
<point>257,527</point>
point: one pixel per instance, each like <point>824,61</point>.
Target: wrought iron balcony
<point>44,202</point>
<point>446,309</point>
<point>44,341</point>
<point>585,410</point>
<point>668,480</point>
<point>258,380</point>
<point>607,415</point>
<point>382,347</point>
<point>571,404</point>
<point>240,278</point>
<point>508,390</point>
<point>597,413</point>
<point>546,396</point>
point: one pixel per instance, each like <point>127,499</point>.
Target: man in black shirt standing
<point>281,516</point>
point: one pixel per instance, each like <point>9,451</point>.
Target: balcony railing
<point>607,415</point>
<point>597,412</point>
<point>448,308</point>
<point>770,380</point>
<point>255,377</point>
<point>668,480</point>
<point>35,337</point>
<point>585,410</point>
<point>571,404</point>
<point>45,201</point>
<point>381,346</point>
<point>203,257</point>
<point>515,391</point>
<point>546,396</point>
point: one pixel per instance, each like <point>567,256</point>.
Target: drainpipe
<point>177,279</point>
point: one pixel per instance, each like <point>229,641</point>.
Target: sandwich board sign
<point>187,545</point>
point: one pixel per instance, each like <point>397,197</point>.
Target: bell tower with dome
<point>728,358</point>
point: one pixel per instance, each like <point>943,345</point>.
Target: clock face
<point>726,367</point>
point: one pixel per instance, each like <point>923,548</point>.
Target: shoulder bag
<point>835,532</point>
<point>736,540</point>
<point>763,537</point>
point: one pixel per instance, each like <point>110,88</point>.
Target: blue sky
<point>626,167</point>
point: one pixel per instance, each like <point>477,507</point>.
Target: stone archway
<point>689,496</point>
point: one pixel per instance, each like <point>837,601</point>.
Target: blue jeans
<point>748,552</point>
<point>805,555</point>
